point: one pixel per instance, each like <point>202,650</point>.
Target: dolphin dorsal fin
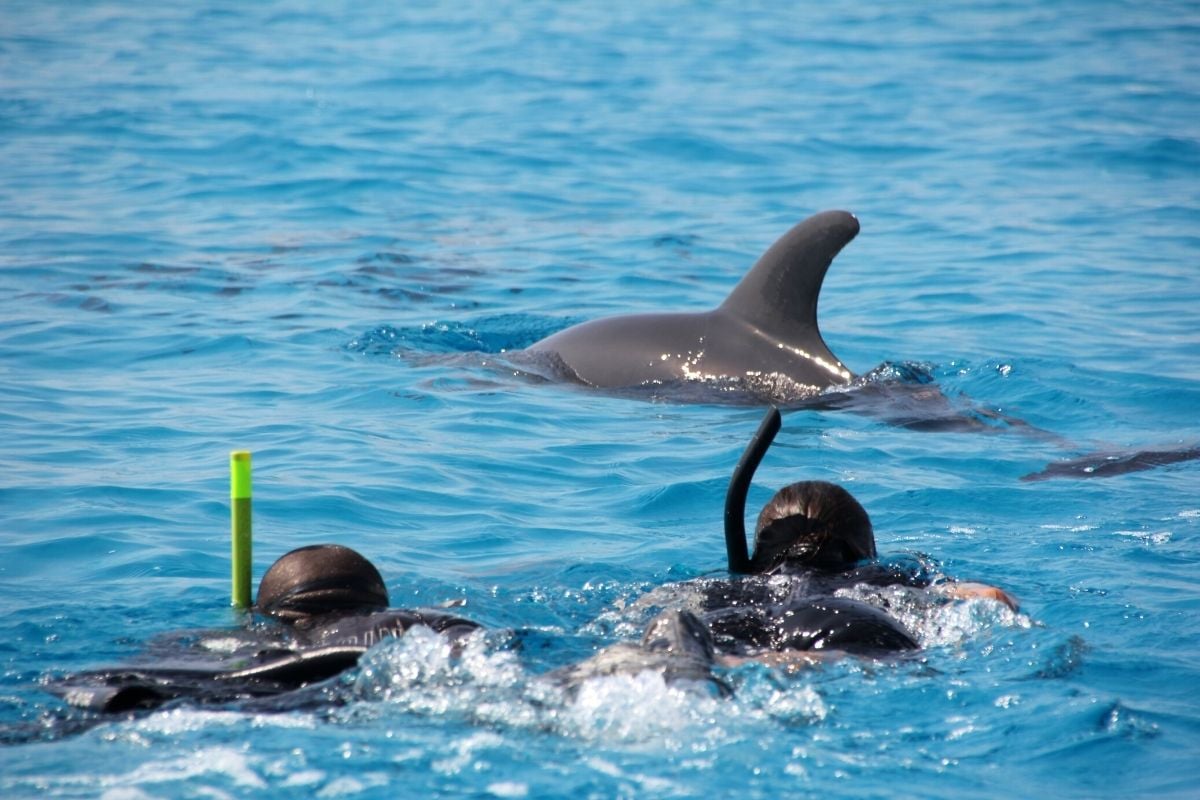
<point>778,296</point>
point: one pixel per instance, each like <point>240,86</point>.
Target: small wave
<point>498,334</point>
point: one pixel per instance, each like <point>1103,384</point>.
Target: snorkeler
<point>331,596</point>
<point>325,606</point>
<point>818,530</point>
<point>812,539</point>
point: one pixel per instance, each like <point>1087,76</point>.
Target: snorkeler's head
<point>812,524</point>
<point>321,579</point>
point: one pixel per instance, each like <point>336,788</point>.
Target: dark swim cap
<point>321,579</point>
<point>814,524</point>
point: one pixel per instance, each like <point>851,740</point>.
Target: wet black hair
<point>321,579</point>
<point>815,524</point>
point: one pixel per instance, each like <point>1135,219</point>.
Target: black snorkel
<point>739,486</point>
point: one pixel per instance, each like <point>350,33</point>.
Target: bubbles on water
<point>636,707</point>
<point>627,619</point>
<point>175,722</point>
<point>1124,722</point>
<point>788,701</point>
<point>909,372</point>
<point>465,751</point>
<point>935,620</point>
<point>423,674</point>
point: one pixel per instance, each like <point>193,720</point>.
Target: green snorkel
<point>739,486</point>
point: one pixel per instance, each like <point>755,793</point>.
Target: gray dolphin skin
<point>676,644</point>
<point>767,326</point>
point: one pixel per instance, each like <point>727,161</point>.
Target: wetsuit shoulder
<point>751,591</point>
<point>740,630</point>
<point>901,570</point>
<point>837,623</point>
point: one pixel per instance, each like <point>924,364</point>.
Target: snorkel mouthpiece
<point>739,487</point>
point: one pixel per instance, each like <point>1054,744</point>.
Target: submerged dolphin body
<point>676,645</point>
<point>767,327</point>
<point>1107,465</point>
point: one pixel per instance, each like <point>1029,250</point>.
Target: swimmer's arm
<point>970,590</point>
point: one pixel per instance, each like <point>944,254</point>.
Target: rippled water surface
<point>319,231</point>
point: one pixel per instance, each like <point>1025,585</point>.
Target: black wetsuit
<point>259,664</point>
<point>813,623</point>
<point>796,609</point>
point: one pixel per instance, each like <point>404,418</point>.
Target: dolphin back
<point>778,296</point>
<point>766,327</point>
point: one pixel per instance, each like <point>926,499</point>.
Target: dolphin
<point>765,336</point>
<point>676,644</point>
<point>1106,465</point>
<point>766,328</point>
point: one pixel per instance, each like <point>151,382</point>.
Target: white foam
<point>185,720</point>
<point>465,752</point>
<point>126,793</point>
<point>341,787</point>
<point>934,620</point>
<point>226,762</point>
<point>1148,537</point>
<point>305,777</point>
<point>347,785</point>
<point>636,707</point>
<point>223,644</point>
<point>643,784</point>
<point>1068,528</point>
<point>508,789</point>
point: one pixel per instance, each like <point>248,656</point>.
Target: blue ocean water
<point>315,231</point>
